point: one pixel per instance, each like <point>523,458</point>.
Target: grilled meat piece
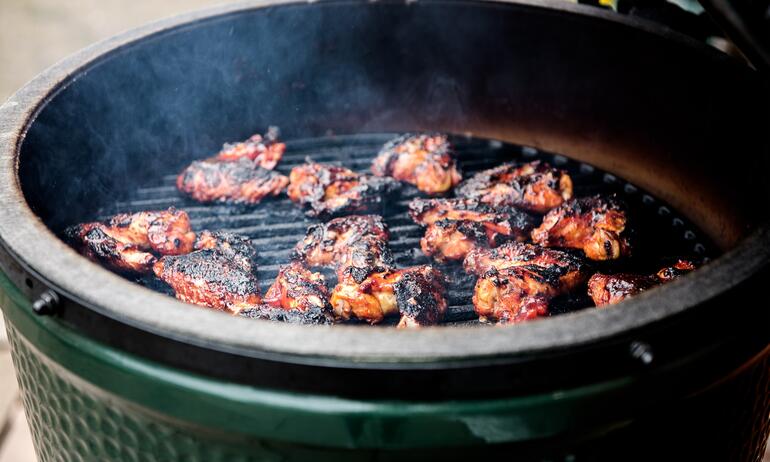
<point>297,288</point>
<point>420,297</point>
<point>240,181</point>
<point>592,224</point>
<point>672,272</point>
<point>426,161</point>
<point>264,151</point>
<point>534,186</point>
<point>329,243</point>
<point>331,190</point>
<point>93,241</point>
<point>365,256</point>
<point>416,292</point>
<point>455,226</point>
<point>127,242</point>
<point>271,313</point>
<point>209,278</point>
<point>517,281</point>
<point>233,246</point>
<point>607,289</point>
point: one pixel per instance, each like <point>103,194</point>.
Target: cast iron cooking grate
<point>659,234</point>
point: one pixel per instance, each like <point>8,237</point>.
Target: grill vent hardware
<point>276,225</point>
<point>46,304</point>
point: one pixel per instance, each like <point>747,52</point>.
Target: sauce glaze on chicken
<point>426,161</point>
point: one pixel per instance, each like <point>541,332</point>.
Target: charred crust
<point>316,316</point>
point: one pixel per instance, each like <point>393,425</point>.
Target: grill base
<point>659,234</point>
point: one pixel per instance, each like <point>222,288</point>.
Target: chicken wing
<point>534,186</point>
<point>265,151</point>
<point>209,278</point>
<point>297,288</point>
<point>426,161</point>
<point>93,241</point>
<point>127,242</point>
<point>608,289</point>
<point>239,181</point>
<point>330,190</point>
<point>517,281</point>
<point>455,226</point>
<point>592,224</point>
<point>330,243</point>
<point>416,292</point>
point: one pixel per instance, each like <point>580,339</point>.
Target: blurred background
<point>35,34</point>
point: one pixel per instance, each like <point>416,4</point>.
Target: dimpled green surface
<point>69,425</point>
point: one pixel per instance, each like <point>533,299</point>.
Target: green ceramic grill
<point>112,369</point>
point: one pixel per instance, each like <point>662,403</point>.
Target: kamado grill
<point>112,371</point>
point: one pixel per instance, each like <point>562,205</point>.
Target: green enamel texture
<point>91,397</point>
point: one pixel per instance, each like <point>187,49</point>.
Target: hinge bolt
<point>46,303</point>
<point>642,351</point>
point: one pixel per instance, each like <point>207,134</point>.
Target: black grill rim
<point>103,305</point>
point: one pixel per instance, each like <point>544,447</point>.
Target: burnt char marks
<point>426,161</point>
<point>240,181</point>
<point>329,243</point>
<point>534,186</point>
<point>317,316</point>
<point>209,278</point>
<point>608,289</point>
<point>98,246</point>
<point>455,226</point>
<point>593,224</point>
<point>297,288</point>
<point>420,297</point>
<point>517,281</point>
<point>366,256</point>
<point>330,190</point>
<point>236,247</point>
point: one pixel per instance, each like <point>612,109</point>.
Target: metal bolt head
<point>46,303</point>
<point>642,351</point>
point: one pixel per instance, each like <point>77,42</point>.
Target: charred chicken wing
<point>417,293</point>
<point>236,247</point>
<point>592,224</point>
<point>330,190</point>
<point>239,181</point>
<point>426,161</point>
<point>607,289</point>
<point>534,186</point>
<point>94,242</point>
<point>455,226</point>
<point>209,278</point>
<point>297,288</point>
<point>330,243</point>
<point>265,151</point>
<point>517,281</point>
<point>127,241</point>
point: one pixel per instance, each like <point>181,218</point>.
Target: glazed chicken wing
<point>426,161</point>
<point>329,243</point>
<point>455,226</point>
<point>239,181</point>
<point>608,289</point>
<point>297,288</point>
<point>330,190</point>
<point>534,186</point>
<point>209,278</point>
<point>517,281</point>
<point>264,151</point>
<point>127,242</point>
<point>93,242</point>
<point>417,293</point>
<point>592,224</point>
